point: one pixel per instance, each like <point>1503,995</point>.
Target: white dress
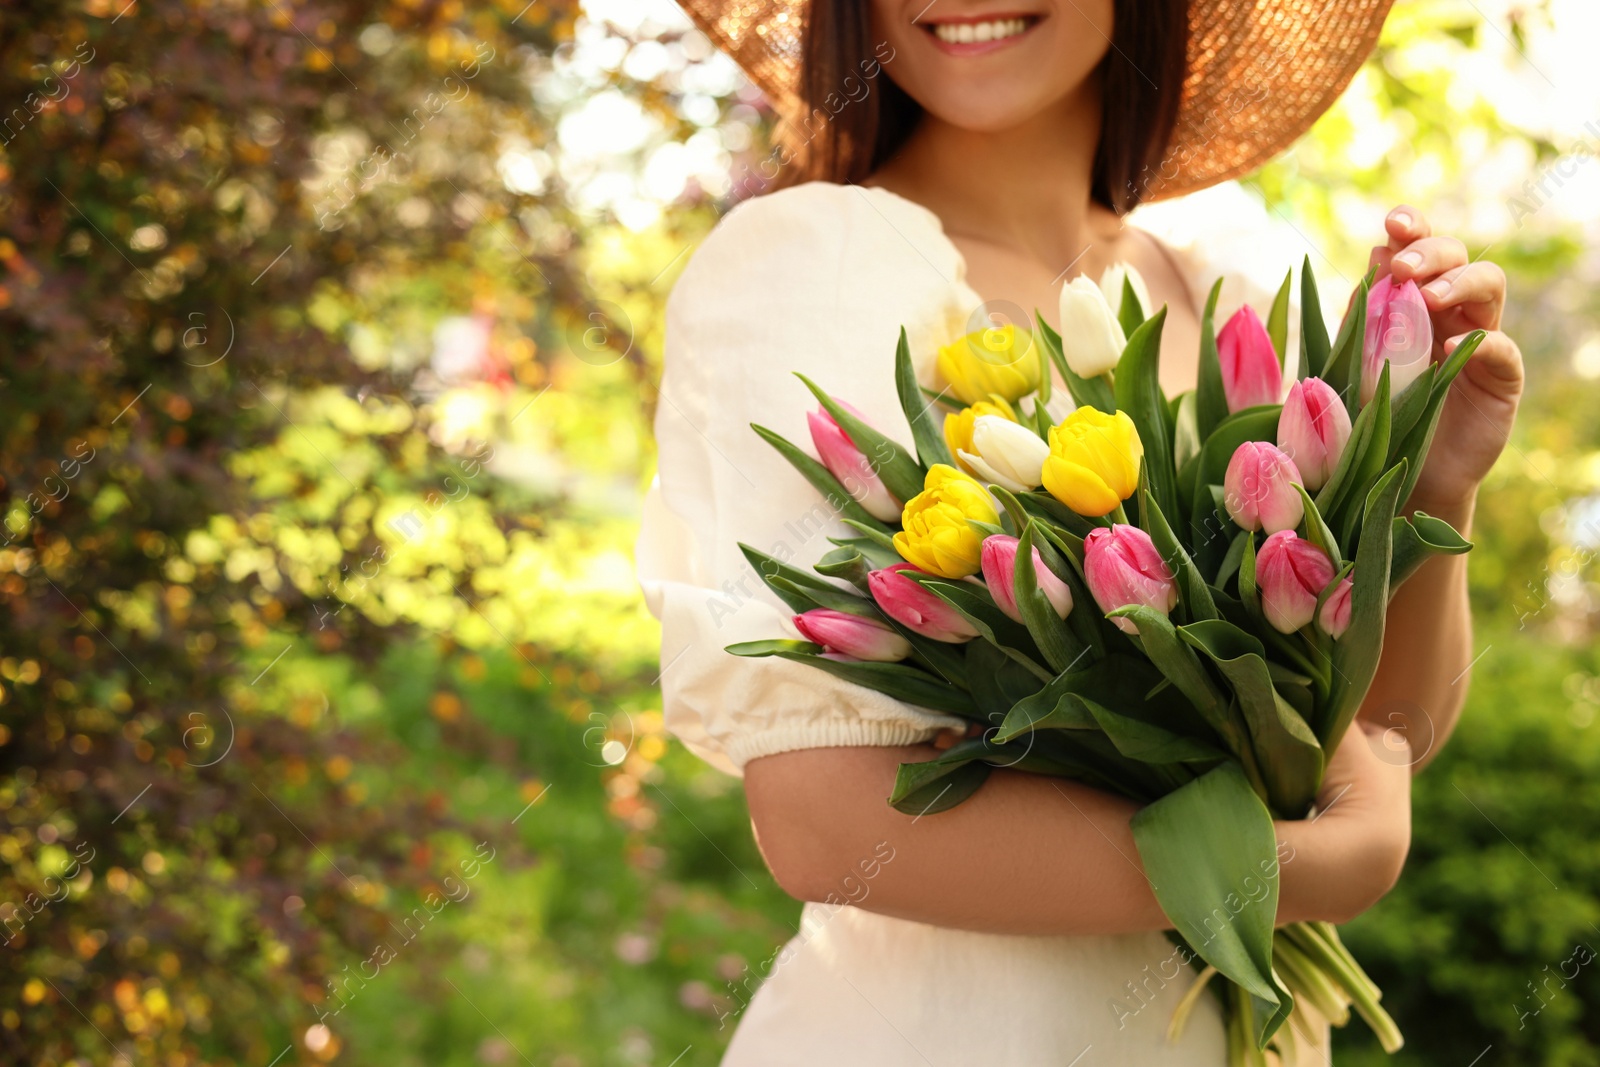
<point>819,279</point>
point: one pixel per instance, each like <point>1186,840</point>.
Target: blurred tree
<point>180,184</point>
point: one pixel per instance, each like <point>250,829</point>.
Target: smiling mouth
<point>980,35</point>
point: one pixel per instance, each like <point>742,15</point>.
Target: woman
<point>974,154</point>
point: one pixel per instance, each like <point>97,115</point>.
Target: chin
<point>991,65</point>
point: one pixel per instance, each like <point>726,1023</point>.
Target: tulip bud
<point>1111,287</point>
<point>1258,489</point>
<point>958,424</point>
<point>1399,331</point>
<point>850,465</point>
<point>1122,566</point>
<point>918,610</point>
<point>851,635</point>
<point>1000,360</point>
<point>1335,615</point>
<point>1250,371</point>
<point>1008,455</point>
<point>999,572</point>
<point>1094,461</point>
<point>1091,337</point>
<point>1291,573</point>
<point>1313,429</point>
<point>937,534</point>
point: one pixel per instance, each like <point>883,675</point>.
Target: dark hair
<point>844,137</point>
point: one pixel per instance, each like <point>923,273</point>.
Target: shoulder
<point>819,264</point>
<point>820,234</point>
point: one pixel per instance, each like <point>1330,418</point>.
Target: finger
<point>1497,362</point>
<point>1380,258</point>
<point>1404,225</point>
<point>1427,258</point>
<point>1479,289</point>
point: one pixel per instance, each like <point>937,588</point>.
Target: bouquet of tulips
<point>1180,600</point>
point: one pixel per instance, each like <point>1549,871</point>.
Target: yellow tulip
<point>937,536</point>
<point>1000,361</point>
<point>1094,461</point>
<point>958,424</point>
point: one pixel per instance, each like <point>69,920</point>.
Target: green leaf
<point>1061,517</point>
<point>1121,681</point>
<point>898,680</point>
<point>1148,742</point>
<point>845,563</point>
<point>1314,345</point>
<point>1416,539</point>
<point>1059,646</point>
<point>1138,394</point>
<point>1194,597</point>
<point>1407,409</point>
<point>897,467</point>
<point>1343,369</point>
<point>993,625</point>
<point>874,553</point>
<point>771,647</point>
<point>1286,750</point>
<point>1013,509</point>
<point>1373,462</point>
<point>925,430</point>
<point>1363,458</point>
<point>997,680</point>
<point>1415,447</point>
<point>829,597</point>
<point>1230,562</point>
<point>797,586</point>
<point>1316,528</point>
<point>1356,654</point>
<point>1249,594</point>
<point>878,536</point>
<point>1130,315</point>
<point>937,785</point>
<point>1210,852</point>
<point>1086,392</point>
<point>820,477</point>
<point>1211,403</point>
<point>1179,664</point>
<point>1278,320</point>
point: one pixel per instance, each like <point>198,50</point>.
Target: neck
<point>1026,187</point>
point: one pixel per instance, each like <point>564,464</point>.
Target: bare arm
<point>1033,855</point>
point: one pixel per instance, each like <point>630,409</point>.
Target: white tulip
<point>1091,338</point>
<point>1111,286</point>
<point>1009,455</point>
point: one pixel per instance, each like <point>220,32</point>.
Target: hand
<point>1461,296</point>
<point>1341,861</point>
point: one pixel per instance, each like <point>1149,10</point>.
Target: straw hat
<point>1260,72</point>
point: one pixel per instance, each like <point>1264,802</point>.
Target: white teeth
<point>970,32</point>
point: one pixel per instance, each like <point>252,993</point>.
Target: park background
<point>329,340</point>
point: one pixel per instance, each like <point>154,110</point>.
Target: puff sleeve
<point>819,279</point>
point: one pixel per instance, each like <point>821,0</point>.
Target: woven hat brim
<point>1260,73</point>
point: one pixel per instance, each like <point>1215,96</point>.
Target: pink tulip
<point>1335,615</point>
<point>1122,566</point>
<point>1291,573</point>
<point>846,462</point>
<point>1399,331</point>
<point>852,635</point>
<point>918,610</point>
<point>1313,429</point>
<point>999,559</point>
<point>1250,371</point>
<point>1258,489</point>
